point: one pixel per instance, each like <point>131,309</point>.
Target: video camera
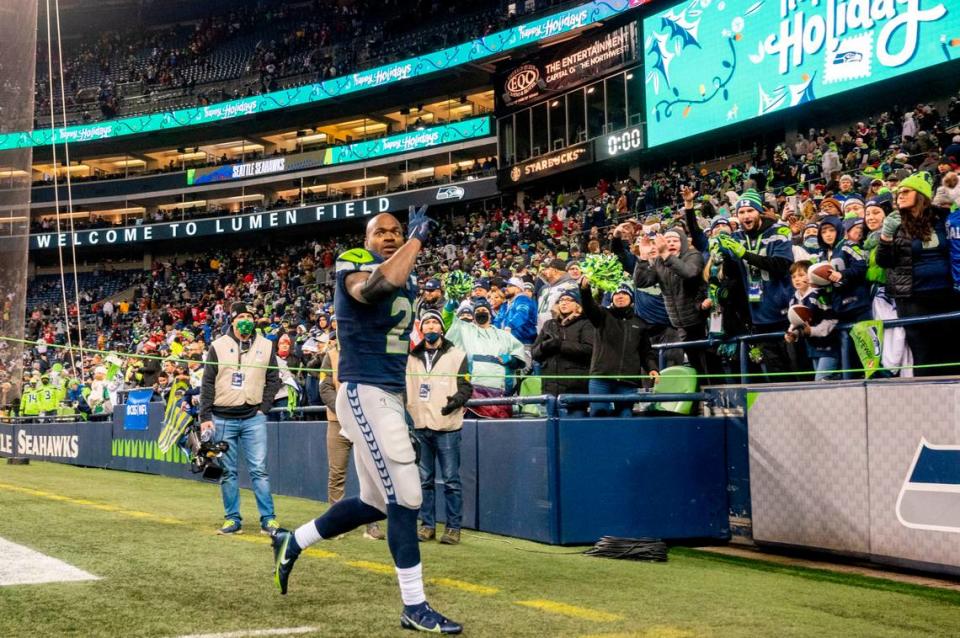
<point>205,453</point>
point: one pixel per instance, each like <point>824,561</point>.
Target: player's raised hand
<point>419,225</point>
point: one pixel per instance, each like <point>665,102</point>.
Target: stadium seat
<point>675,380</point>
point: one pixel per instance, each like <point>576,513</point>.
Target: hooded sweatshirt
<point>851,297</point>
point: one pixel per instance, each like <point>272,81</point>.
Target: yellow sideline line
<point>548,606</point>
<point>572,611</point>
<point>371,566</point>
<point>473,588</point>
<point>653,632</point>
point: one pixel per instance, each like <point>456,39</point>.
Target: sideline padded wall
<point>869,469</point>
<point>18,49</point>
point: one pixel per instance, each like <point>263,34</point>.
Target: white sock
<point>411,584</point>
<point>307,535</point>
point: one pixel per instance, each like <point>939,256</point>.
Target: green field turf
<point>165,573</point>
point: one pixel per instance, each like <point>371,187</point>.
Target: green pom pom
<point>605,272</point>
<point>458,284</point>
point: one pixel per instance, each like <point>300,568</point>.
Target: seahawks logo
<point>931,489</point>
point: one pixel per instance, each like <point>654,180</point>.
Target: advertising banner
<point>712,63</point>
<point>549,164</point>
<point>266,220</point>
<point>73,443</point>
<point>406,142</point>
<point>564,66</point>
<point>136,409</point>
<point>487,46</point>
<point>8,438</point>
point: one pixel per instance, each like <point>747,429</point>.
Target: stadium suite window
<point>596,110</point>
<point>540,128</point>
<point>616,103</point>
<point>522,124</point>
<point>508,149</point>
<point>634,79</point>
<point>576,118</point>
<point>558,123</point>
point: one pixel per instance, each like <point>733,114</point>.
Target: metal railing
<point>743,342</point>
<point>554,405</point>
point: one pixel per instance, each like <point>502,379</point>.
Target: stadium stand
<point>253,49</point>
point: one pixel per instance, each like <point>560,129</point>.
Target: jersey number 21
<point>398,339</point>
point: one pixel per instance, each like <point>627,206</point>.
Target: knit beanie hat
<point>431,313</point>
<point>573,294</point>
<point>827,202</point>
<point>883,201</point>
<point>852,197</point>
<point>481,302</point>
<point>850,221</point>
<point>624,288</point>
<point>240,308</point>
<point>920,182</point>
<point>750,199</point>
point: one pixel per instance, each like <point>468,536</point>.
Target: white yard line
<point>24,566</point>
<point>252,633</point>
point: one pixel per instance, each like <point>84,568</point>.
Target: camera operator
<point>240,379</point>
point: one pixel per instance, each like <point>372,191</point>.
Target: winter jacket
<point>851,297</point>
<point>520,317</point>
<point>549,295</point>
<point>823,340</point>
<point>953,236</point>
<point>492,353</point>
<point>622,343</point>
<point>767,262</point>
<point>648,301</point>
<point>681,281</point>
<point>565,347</point>
<point>916,268</point>
<point>449,386</point>
<point>876,275</point>
<point>329,383</point>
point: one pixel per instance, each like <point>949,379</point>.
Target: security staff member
<point>240,379</point>
<point>437,389</point>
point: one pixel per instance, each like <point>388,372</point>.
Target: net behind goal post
<point>18,59</point>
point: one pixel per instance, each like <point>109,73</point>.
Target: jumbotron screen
<point>713,63</point>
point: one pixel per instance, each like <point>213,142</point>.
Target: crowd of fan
<point>317,40</point>
<point>831,230</point>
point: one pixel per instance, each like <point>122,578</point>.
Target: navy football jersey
<point>374,338</point>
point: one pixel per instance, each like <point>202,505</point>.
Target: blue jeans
<point>312,389</point>
<point>620,409</point>
<point>445,448</point>
<point>251,434</point>
<point>825,367</point>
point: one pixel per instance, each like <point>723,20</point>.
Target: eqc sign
<point>266,220</point>
<point>565,65</point>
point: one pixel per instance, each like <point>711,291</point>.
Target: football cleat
<point>230,527</point>
<point>424,618</point>
<point>284,556</point>
<point>270,527</point>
